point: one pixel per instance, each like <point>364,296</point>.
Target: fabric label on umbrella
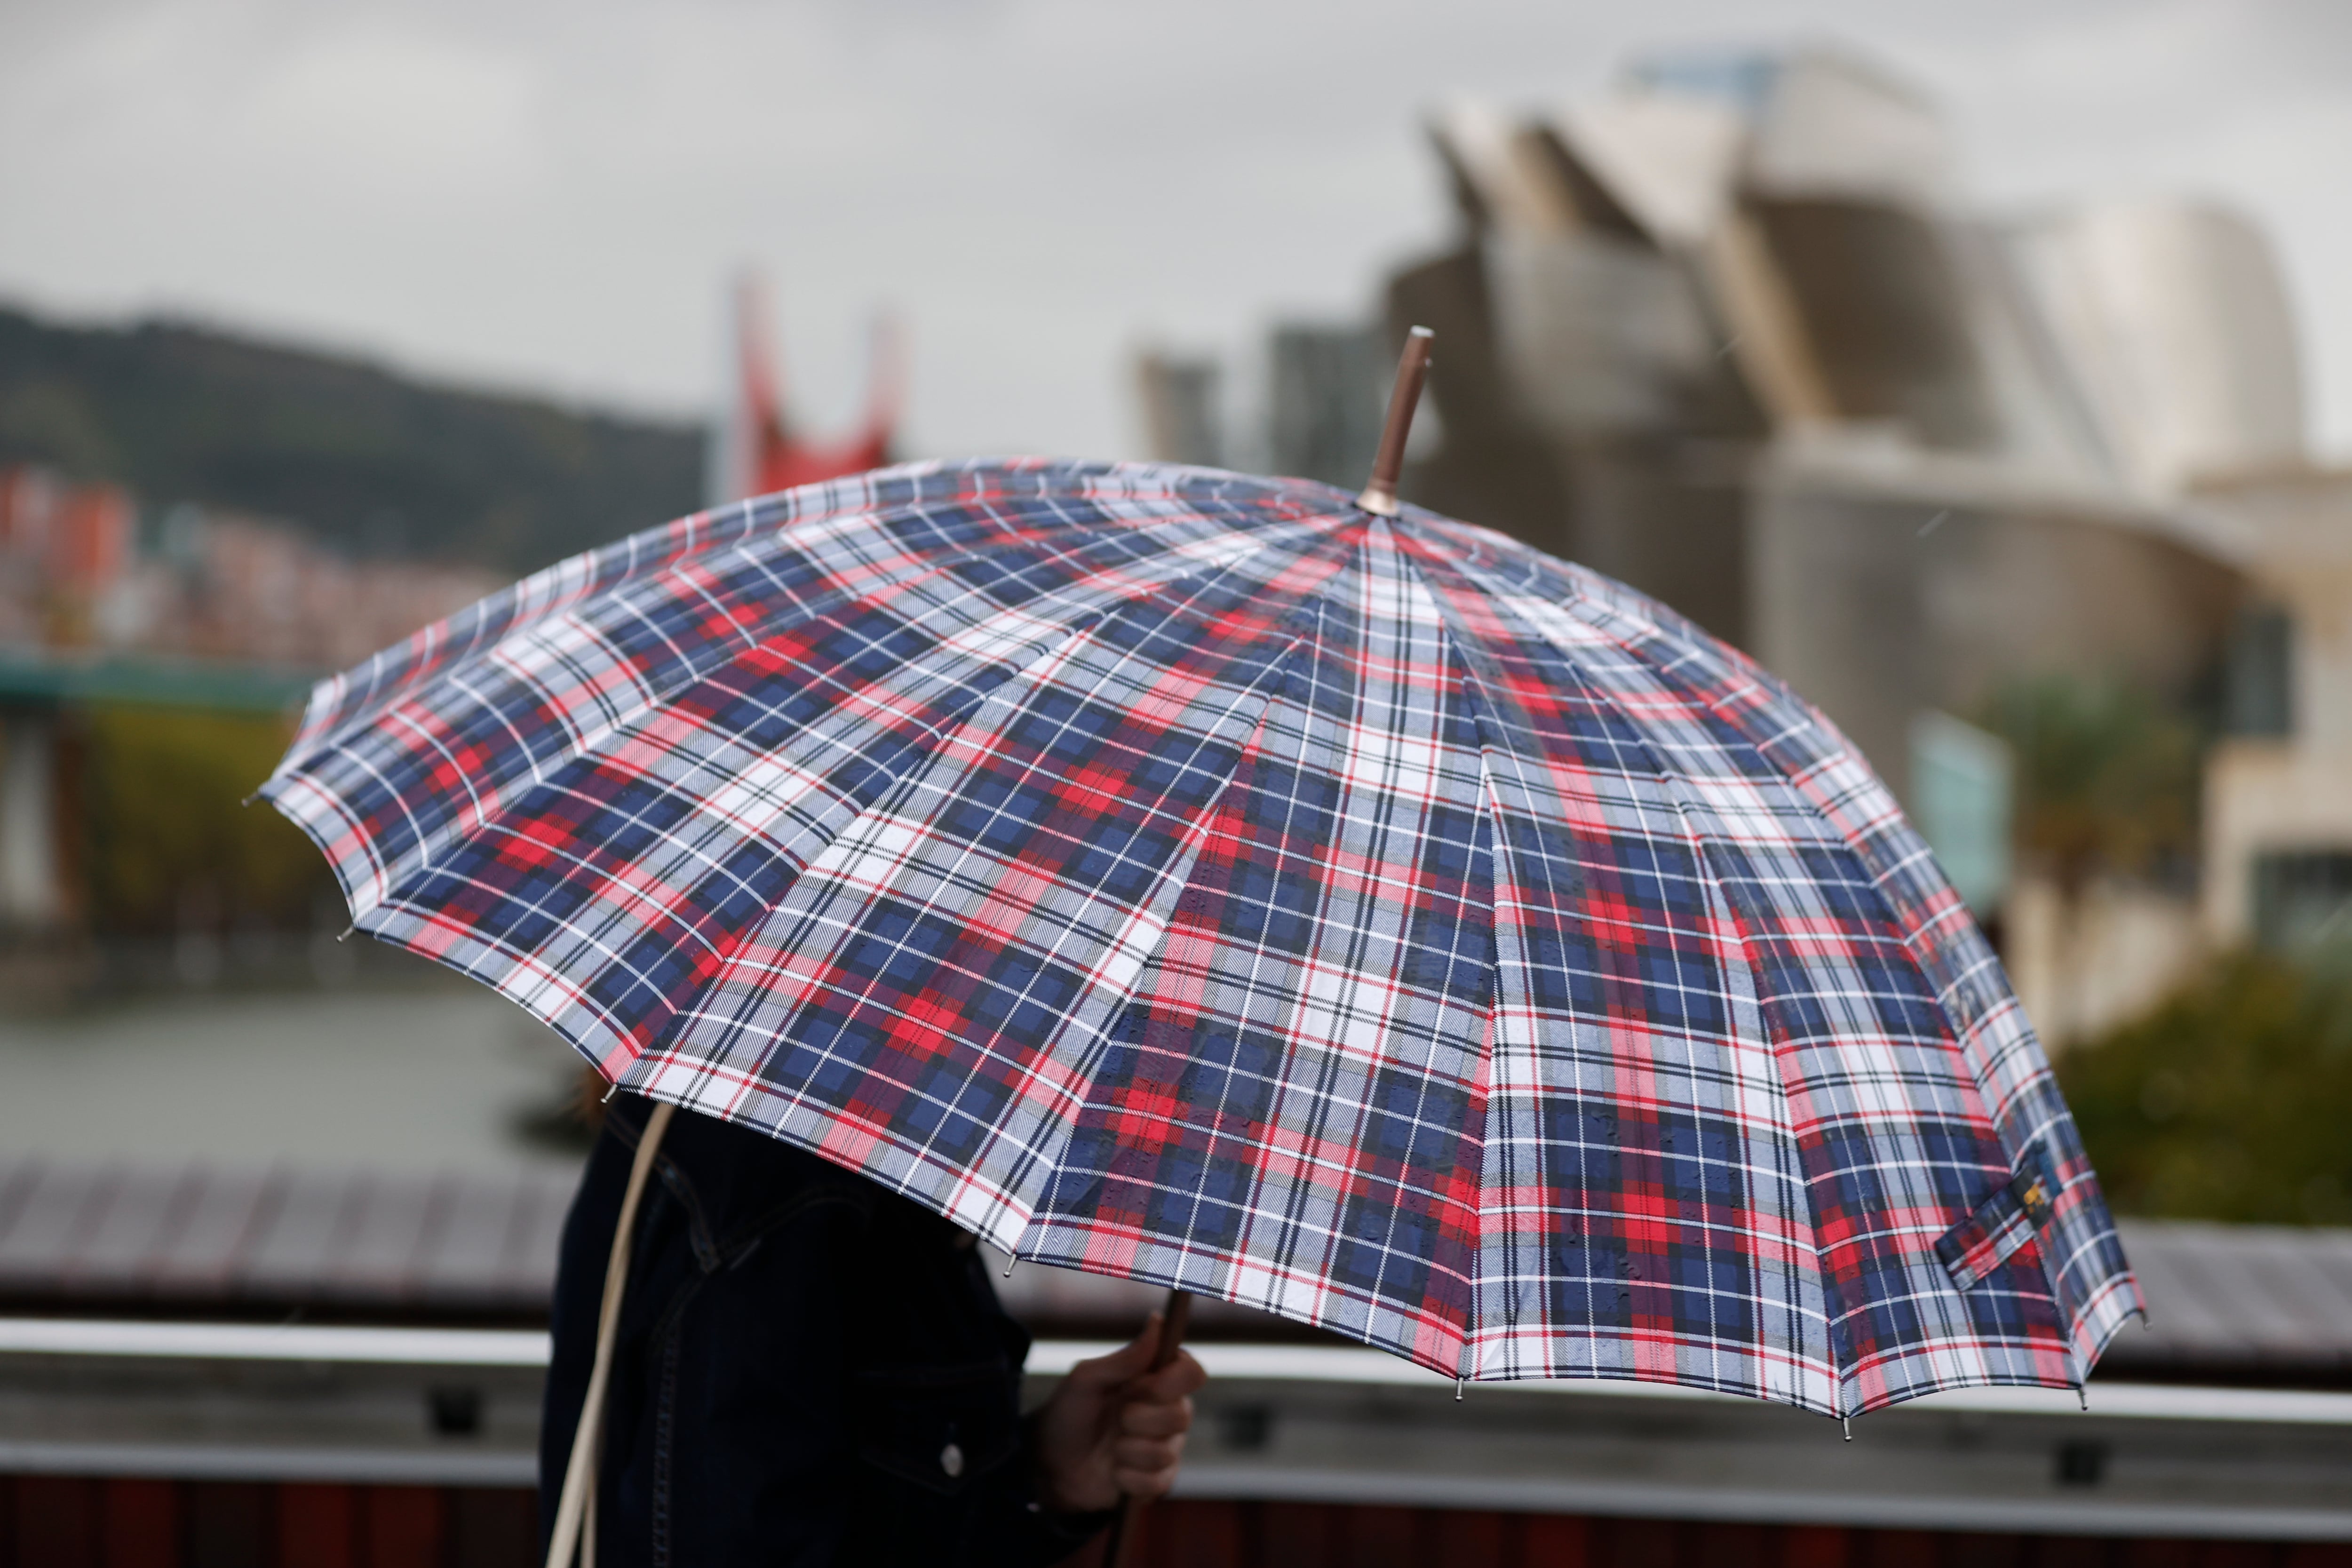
<point>2004,1222</point>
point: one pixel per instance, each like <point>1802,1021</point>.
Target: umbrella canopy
<point>1206,880</point>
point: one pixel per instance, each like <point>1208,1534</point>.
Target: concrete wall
<point>2267,798</point>
<point>2107,957</point>
<point>1873,621</point>
<point>2293,793</point>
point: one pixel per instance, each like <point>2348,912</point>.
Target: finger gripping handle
<point>1174,1318</point>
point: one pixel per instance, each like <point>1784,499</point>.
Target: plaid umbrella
<point>1205,879</point>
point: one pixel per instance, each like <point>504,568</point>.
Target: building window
<point>1962,790</point>
<point>2261,696</point>
<point>2301,897</point>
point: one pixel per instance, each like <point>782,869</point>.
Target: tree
<point>2230,1102</point>
<point>168,839</point>
<point>2107,778</point>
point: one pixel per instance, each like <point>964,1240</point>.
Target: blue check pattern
<point>1193,877</point>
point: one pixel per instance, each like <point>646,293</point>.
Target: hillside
<point>374,463</point>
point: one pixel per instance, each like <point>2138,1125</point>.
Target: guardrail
<point>1308,1423</point>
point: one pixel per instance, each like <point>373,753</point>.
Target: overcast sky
<point>550,196</point>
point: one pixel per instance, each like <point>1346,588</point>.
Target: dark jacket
<point>810,1369</point>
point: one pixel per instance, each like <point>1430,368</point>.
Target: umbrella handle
<point>1173,1321</point>
<point>580,1469</point>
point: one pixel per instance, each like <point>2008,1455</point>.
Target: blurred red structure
<point>758,450</point>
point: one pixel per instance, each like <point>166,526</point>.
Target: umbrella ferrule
<point>1378,497</point>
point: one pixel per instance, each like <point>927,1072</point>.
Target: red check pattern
<point>1193,877</point>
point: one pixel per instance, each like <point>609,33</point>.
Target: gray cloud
<point>551,195</point>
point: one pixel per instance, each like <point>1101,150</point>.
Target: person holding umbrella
<point>1270,893</point>
<point>810,1369</point>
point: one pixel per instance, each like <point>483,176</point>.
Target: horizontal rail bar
<point>265,1342</point>
<point>1340,1363</point>
<point>529,1349</point>
<point>348,1464</point>
<point>1848,1509</point>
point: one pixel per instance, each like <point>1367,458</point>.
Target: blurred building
<point>204,609</point>
<point>62,547</point>
<point>2185,345</point>
<point>1730,336</point>
<point>78,580</point>
<point>1178,399</point>
<point>2278,787</point>
<point>2175,324</point>
<point>1733,334</point>
<point>1328,389</point>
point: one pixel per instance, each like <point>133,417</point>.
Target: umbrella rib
<point>1298,1195</point>
<point>757,552</point>
<point>559,1007</point>
<point>556,588</point>
<point>1151,964</point>
<point>1703,863</point>
<point>1408,580</point>
<point>420,858</point>
<point>1963,1081</point>
<point>596,937</point>
<point>460,674</point>
<point>1805,784</point>
<point>1504,873</point>
<point>1323,1092</point>
<point>942,741</point>
<point>942,736</point>
<point>1190,844</point>
<point>1258,952</point>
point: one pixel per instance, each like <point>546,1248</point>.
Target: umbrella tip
<point>1380,496</point>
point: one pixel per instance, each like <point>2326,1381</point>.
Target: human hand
<point>1116,1428</point>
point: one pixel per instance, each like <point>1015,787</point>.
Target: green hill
<point>372,462</point>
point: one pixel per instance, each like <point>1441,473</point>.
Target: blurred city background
<point>1985,372</point>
